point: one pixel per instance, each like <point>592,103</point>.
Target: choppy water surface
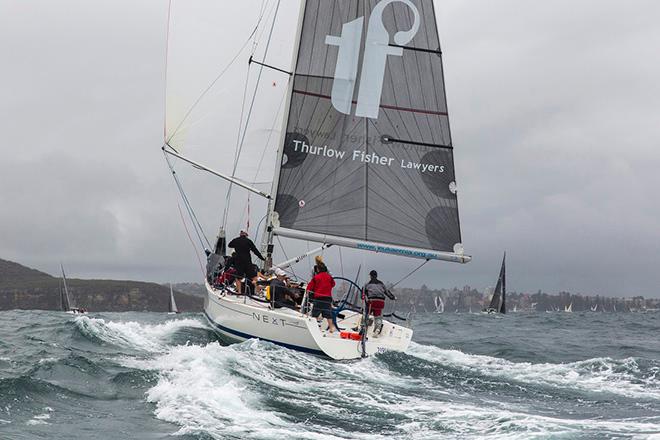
<point>151,376</point>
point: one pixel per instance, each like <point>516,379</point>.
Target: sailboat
<point>439,305</point>
<point>172,309</point>
<point>498,300</point>
<point>66,304</point>
<point>594,307</point>
<point>569,308</point>
<point>364,161</point>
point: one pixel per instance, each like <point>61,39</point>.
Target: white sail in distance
<point>172,308</point>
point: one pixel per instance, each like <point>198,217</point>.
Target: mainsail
<point>367,158</point>
<point>498,301</point>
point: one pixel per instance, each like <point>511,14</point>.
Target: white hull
<point>239,318</point>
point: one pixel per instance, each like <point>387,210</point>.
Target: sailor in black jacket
<point>243,260</point>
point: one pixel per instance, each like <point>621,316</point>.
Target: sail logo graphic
<point>376,49</point>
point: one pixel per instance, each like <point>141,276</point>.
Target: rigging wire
<point>286,256</point>
<point>249,114</point>
<point>215,80</point>
<point>201,267</point>
<point>256,235</point>
<point>263,155</point>
<point>225,213</point>
<point>247,223</point>
<point>410,273</point>
<point>199,231</point>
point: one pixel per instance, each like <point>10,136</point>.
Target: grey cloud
<point>553,109</point>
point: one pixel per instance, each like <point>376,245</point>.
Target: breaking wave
<point>171,375</point>
<point>624,377</point>
<point>134,335</point>
<point>258,390</point>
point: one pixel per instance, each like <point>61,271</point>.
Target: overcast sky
<point>554,108</point>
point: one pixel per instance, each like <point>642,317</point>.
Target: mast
<point>269,235</point>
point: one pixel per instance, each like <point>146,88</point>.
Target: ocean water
<point>154,376</point>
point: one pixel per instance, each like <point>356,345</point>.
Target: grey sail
<point>498,301</point>
<point>368,155</point>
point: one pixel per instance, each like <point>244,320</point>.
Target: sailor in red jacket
<point>320,288</point>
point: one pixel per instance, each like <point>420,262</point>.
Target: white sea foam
<point>494,421</point>
<point>204,389</point>
<point>236,391</point>
<point>231,392</point>
<point>41,419</point>
<point>601,375</point>
<point>147,337</point>
<point>223,391</point>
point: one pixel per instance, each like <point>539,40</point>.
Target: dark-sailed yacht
<point>498,301</point>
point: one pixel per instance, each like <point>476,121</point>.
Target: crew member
<point>375,293</point>
<point>280,293</point>
<point>243,260</point>
<point>213,265</point>
<point>320,287</point>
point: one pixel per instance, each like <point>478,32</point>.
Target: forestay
<point>368,158</point>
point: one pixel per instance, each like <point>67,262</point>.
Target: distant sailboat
<point>569,308</point>
<point>172,306</point>
<point>498,301</point>
<point>65,300</point>
<point>594,307</point>
<point>515,308</point>
<point>439,305</point>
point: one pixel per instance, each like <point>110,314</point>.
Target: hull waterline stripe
<point>248,336</point>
